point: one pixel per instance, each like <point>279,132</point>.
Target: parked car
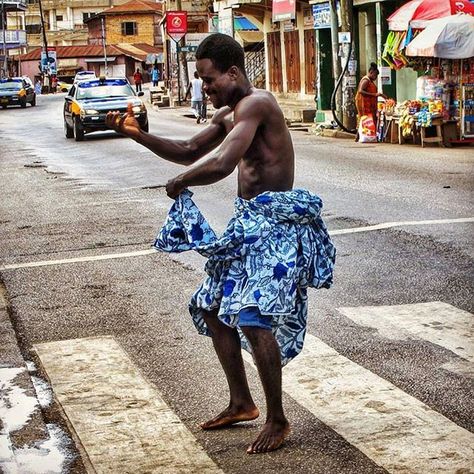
<point>84,75</point>
<point>16,91</point>
<point>88,101</point>
<point>64,86</point>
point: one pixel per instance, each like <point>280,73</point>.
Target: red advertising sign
<point>283,10</point>
<point>177,24</point>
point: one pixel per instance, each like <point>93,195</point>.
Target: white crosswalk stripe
<point>436,322</point>
<point>121,420</point>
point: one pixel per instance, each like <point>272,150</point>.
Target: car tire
<point>78,130</point>
<point>68,131</point>
<point>33,101</point>
<point>145,127</point>
<point>23,103</point>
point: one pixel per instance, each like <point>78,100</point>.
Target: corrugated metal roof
<point>137,51</point>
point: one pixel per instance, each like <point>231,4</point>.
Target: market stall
<point>430,38</point>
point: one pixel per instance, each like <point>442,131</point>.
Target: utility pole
<point>104,46</point>
<point>4,34</point>
<point>336,64</point>
<point>45,41</point>
<point>349,81</point>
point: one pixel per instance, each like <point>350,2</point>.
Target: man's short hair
<point>223,51</point>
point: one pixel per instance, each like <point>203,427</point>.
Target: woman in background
<point>367,94</point>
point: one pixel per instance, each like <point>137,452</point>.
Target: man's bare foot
<point>230,416</point>
<point>270,438</point>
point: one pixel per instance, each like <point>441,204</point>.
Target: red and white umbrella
<point>417,12</point>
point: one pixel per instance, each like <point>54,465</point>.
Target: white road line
<point>352,230</point>
<point>121,420</point>
<point>394,429</point>
<point>436,322</point>
<point>388,225</point>
<point>92,258</point>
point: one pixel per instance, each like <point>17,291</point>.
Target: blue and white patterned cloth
<point>274,247</point>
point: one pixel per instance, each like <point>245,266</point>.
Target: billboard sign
<point>49,63</point>
<point>283,10</point>
<point>176,24</point>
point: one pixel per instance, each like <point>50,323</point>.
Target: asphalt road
<point>62,199</point>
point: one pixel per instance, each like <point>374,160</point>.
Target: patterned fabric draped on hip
<point>274,247</point>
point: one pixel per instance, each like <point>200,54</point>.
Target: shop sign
<point>226,21</point>
<point>350,81</point>
<point>283,10</point>
<point>48,63</point>
<point>176,24</point>
<point>352,67</point>
<point>386,76</point>
<point>322,16</point>
<point>288,25</point>
<point>344,37</point>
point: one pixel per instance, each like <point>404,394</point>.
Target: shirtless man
<point>259,145</point>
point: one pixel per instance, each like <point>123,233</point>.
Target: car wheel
<point>23,103</point>
<point>145,127</point>
<point>33,101</point>
<point>68,131</point>
<point>78,130</point>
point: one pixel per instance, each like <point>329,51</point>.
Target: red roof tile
<point>135,6</point>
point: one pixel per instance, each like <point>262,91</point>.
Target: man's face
<point>217,85</point>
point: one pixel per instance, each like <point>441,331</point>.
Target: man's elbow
<point>190,153</point>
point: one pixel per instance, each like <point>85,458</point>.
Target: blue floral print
<point>275,246</point>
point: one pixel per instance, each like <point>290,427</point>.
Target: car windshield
<point>104,89</point>
<point>8,85</point>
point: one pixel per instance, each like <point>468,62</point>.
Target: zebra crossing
<point>106,399</point>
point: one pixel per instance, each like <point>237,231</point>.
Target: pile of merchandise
<point>418,112</point>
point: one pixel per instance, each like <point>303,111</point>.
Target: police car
<point>88,102</point>
<point>16,91</point>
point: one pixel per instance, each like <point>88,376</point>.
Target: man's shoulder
<point>259,101</point>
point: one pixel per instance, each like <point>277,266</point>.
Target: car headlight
<point>138,108</point>
<point>91,112</point>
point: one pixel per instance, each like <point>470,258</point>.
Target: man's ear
<point>233,72</point>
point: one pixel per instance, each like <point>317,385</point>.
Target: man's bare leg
<point>267,357</point>
<point>227,346</point>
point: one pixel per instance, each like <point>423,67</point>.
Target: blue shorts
<point>251,317</point>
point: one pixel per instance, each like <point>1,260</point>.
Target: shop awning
<point>251,36</point>
<point>241,23</point>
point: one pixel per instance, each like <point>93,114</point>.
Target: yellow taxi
<point>88,102</point>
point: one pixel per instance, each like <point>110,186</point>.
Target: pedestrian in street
<point>38,87</point>
<point>367,94</point>
<point>195,88</point>
<point>275,246</point>
<point>155,76</point>
<point>54,83</point>
<point>138,79</point>
<point>46,82</point>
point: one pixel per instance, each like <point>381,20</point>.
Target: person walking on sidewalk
<point>155,76</point>
<point>138,79</point>
<point>275,246</point>
<point>195,88</point>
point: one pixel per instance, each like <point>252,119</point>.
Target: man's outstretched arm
<point>247,119</point>
<point>183,152</point>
